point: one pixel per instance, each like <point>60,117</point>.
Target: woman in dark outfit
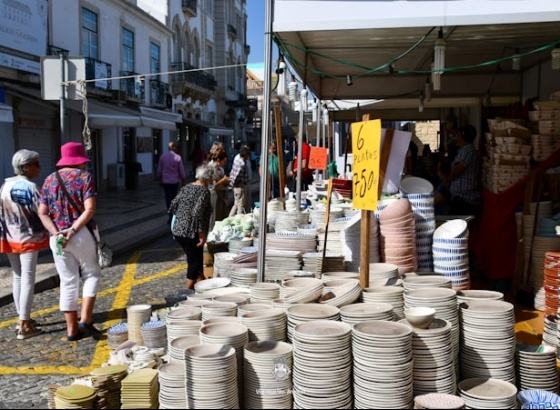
<point>192,209</point>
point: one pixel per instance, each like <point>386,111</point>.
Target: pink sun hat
<point>72,153</point>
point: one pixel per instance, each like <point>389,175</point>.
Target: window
<point>89,34</point>
<point>127,50</point>
<point>209,56</point>
<point>154,58</point>
<point>210,7</point>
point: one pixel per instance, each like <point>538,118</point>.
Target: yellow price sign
<point>366,142</point>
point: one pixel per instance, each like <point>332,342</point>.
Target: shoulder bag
<point>104,251</point>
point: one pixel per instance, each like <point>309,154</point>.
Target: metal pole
<point>318,137</point>
<point>300,149</point>
<point>265,137</point>
<point>62,93</point>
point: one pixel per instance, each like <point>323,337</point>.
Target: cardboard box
<point>208,272</point>
<point>208,257</point>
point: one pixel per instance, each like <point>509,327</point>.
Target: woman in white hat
<point>67,204</point>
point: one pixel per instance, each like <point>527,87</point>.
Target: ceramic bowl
<point>420,317</point>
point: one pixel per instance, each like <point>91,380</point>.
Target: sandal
<point>90,329</point>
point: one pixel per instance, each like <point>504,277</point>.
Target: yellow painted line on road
<point>102,350</point>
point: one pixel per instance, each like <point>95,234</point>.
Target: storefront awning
<point>159,119</point>
<point>102,115</point>
<point>6,114</point>
<point>213,129</point>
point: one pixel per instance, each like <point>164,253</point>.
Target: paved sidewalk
<point>127,219</point>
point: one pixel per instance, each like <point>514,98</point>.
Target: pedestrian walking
<point>273,173</point>
<point>239,181</point>
<point>171,173</point>
<point>192,209</point>
<point>67,205</point>
<point>22,235</point>
<point>219,188</point>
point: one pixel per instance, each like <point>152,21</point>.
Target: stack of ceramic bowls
<point>308,290</point>
<point>219,309</point>
<point>536,367</point>
<point>137,315</point>
<point>451,253</point>
<point>253,307</point>
<point>341,292</point>
<point>268,375</point>
<point>235,335</point>
<point>154,333</point>
<point>288,221</point>
<point>538,399</point>
<point>322,372</point>
<point>314,262</point>
<point>444,301</point>
<point>317,215</point>
<point>211,377</point>
<point>383,366</point>
<point>362,312</point>
<point>488,393</point>
<point>183,323</point>
<point>537,278</point>
<point>434,365</point>
<point>350,237</point>
<point>393,295</point>
<point>117,335</point>
<point>398,236</point>
<point>333,237</point>
<point>197,302</point>
<point>302,313</point>
<point>221,319</point>
<point>551,282</point>
<point>325,277</point>
<point>474,294</point>
<point>171,378</point>
<point>238,298</point>
<point>267,324</point>
<point>243,277</point>
<point>420,193</point>
<point>222,264</point>
<point>481,322</point>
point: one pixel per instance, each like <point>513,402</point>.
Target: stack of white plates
<point>263,291</point>
<point>219,309</point>
<point>451,253</point>
<point>277,262</point>
<point>291,241</point>
<point>426,281</point>
<point>302,313</point>
<point>397,238</point>
<point>313,262</point>
<point>379,270</point>
<point>211,380</point>
<point>474,294</point>
<point>281,304</point>
<point>350,237</point>
<point>322,376</point>
<point>267,364</point>
<point>171,378</point>
<point>154,333</point>
<point>308,290</point>
<point>221,319</point>
<point>393,295</point>
<point>383,365</point>
<point>176,352</point>
<point>333,236</point>
<point>137,315</point>
<point>222,264</point>
<point>434,365</point>
<point>196,302</point>
<point>179,326</point>
<point>237,298</point>
<point>253,307</point>
<point>344,292</point>
<point>425,224</point>
<point>243,277</point>
<point>325,277</point>
<point>288,221</point>
<point>212,283</point>
<point>309,229</point>
<point>246,260</point>
<point>488,393</point>
<point>318,215</point>
<point>444,301</point>
<point>536,367</point>
<point>267,324</point>
<point>487,340</point>
<point>230,290</point>
<point>235,335</point>
<point>362,312</point>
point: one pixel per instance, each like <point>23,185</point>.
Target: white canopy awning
<point>159,119</point>
<point>102,115</point>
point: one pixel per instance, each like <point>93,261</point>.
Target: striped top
<point>468,185</point>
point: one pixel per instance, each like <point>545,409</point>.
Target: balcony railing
<point>199,79</point>
<point>158,92</point>
<point>56,51</point>
<point>232,31</point>
<point>134,87</point>
<point>189,7</point>
<point>98,69</point>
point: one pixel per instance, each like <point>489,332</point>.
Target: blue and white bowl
<point>536,398</point>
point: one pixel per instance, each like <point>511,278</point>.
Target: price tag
<point>318,158</point>
<point>366,140</point>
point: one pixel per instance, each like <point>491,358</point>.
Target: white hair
<point>21,158</point>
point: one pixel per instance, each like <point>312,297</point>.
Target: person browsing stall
<point>239,180</point>
<point>171,173</point>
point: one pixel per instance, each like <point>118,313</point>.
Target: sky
<point>255,30</point>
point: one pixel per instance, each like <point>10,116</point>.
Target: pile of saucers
<point>394,295</point>
<point>426,281</point>
<point>219,309</point>
<point>171,378</point>
<point>451,253</point>
<point>301,313</point>
<point>488,393</point>
<point>176,351</point>
<point>361,312</point>
<point>154,333</point>
<point>254,307</point>
<point>308,290</point>
<point>536,367</point>
<point>263,291</point>
<point>267,324</point>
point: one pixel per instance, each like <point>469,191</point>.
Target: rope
<point>86,133</point>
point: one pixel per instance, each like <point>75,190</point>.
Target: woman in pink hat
<point>67,204</point>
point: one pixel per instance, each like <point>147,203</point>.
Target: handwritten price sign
<point>366,141</point>
<point>318,158</point>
